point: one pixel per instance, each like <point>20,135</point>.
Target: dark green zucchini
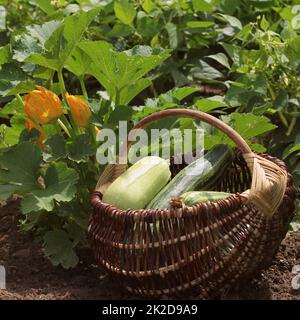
<point>201,174</point>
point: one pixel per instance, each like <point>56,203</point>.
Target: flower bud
<point>80,111</point>
<point>42,105</point>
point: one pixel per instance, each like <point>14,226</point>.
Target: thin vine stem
<point>62,85</point>
<point>280,114</point>
<point>83,88</point>
<point>74,128</point>
<point>64,127</point>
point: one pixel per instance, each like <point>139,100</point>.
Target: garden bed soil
<point>31,276</point>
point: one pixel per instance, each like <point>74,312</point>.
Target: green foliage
<point>124,11</point>
<point>62,42</point>
<point>238,60</point>
<point>80,149</point>
<point>60,249</point>
<point>121,72</point>
<point>58,186</point>
<point>18,172</point>
<point>56,148</point>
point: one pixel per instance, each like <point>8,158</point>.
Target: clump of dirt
<point>31,276</point>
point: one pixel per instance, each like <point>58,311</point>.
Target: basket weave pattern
<point>200,250</point>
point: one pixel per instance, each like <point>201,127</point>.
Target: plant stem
<point>83,88</point>
<point>20,99</point>
<point>50,80</point>
<point>92,131</point>
<point>74,130</point>
<point>62,84</point>
<point>117,99</point>
<point>67,125</point>
<point>63,126</point>
<point>280,114</point>
<point>153,90</point>
<point>291,126</point>
<point>283,119</point>
<point>271,91</point>
<point>58,127</point>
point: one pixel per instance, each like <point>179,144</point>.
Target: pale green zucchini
<point>201,174</point>
<point>138,184</point>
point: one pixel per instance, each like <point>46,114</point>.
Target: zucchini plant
<point>69,69</point>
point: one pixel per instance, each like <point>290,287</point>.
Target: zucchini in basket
<point>201,174</point>
<point>192,197</point>
<point>139,184</point>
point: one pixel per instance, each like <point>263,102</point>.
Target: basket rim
<point>236,199</point>
<point>166,213</point>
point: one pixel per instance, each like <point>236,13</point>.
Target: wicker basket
<point>200,250</point>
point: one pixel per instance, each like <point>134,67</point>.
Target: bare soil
<point>31,276</point>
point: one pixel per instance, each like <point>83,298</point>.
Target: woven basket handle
<point>232,134</point>
<point>268,179</point>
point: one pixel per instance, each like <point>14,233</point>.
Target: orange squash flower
<point>30,125</point>
<point>42,105</point>
<point>80,111</point>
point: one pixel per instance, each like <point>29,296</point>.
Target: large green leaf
<point>293,49</point>
<point>33,40</point>
<point>74,28</point>
<point>120,72</point>
<point>202,5</point>
<point>10,134</point>
<point>221,58</point>
<point>43,32</point>
<point>120,113</point>
<point>133,89</point>
<point>149,5</point>
<point>13,107</point>
<point>59,248</point>
<point>124,11</point>
<point>146,26</point>
<point>63,41</point>
<point>181,93</point>
<point>56,148</point>
<point>249,125</point>
<point>233,51</point>
<point>202,70</point>
<point>17,87</point>
<point>24,46</point>
<point>18,169</point>
<point>120,30</point>
<point>173,35</point>
<point>233,21</point>
<point>45,5</point>
<point>78,63</point>
<point>11,72</point>
<point>81,148</point>
<point>206,105</point>
<point>59,184</point>
<point>13,80</point>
